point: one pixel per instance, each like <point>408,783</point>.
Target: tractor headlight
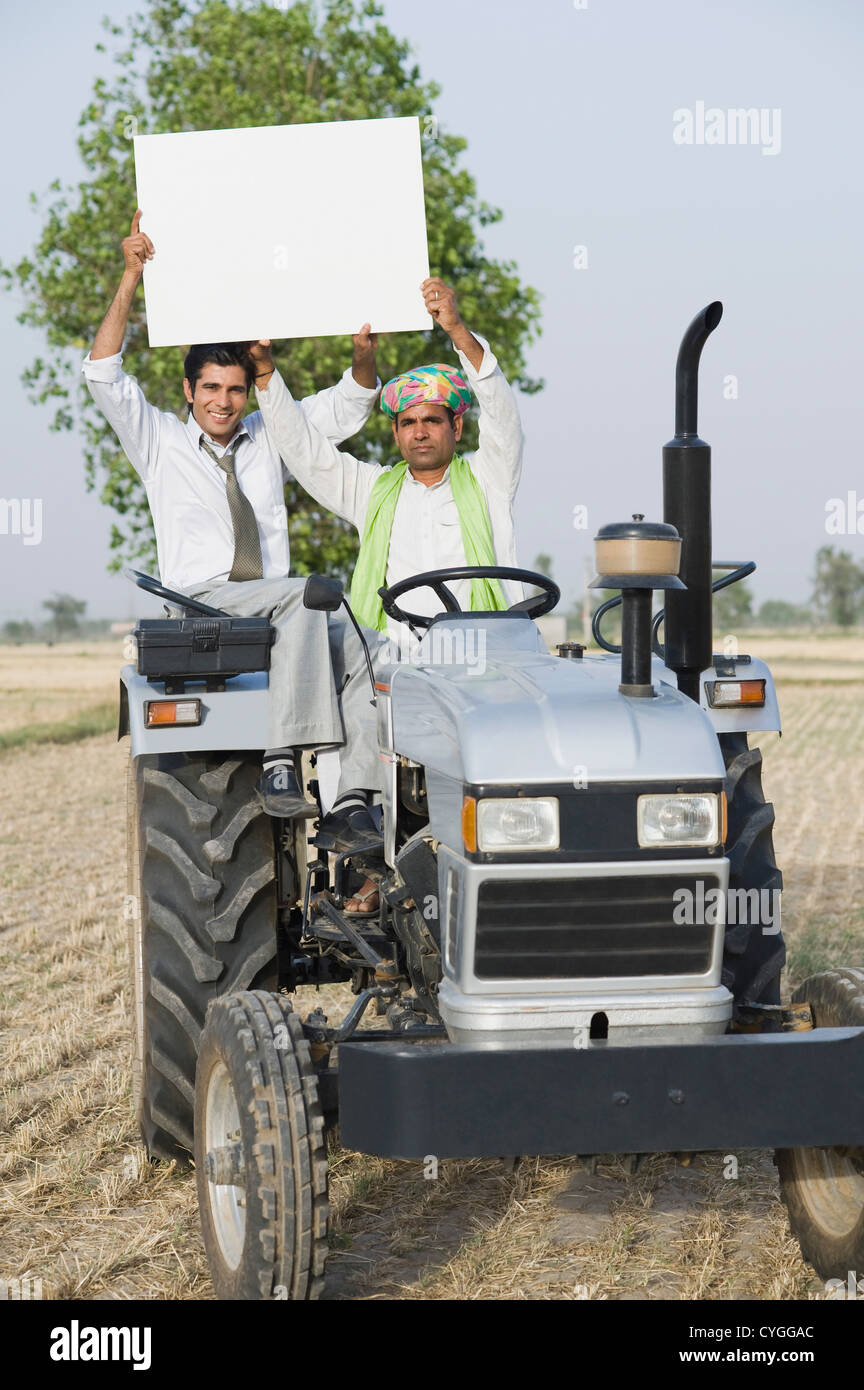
<point>519,822</point>
<point>692,819</point>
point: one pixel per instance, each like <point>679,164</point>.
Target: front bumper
<point>745,1091</point>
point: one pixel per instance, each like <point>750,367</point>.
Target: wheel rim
<point>221,1127</point>
<point>831,1186</point>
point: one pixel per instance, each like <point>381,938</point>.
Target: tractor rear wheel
<point>201,911</point>
<point>260,1153</point>
<point>824,1188</point>
<point>753,953</point>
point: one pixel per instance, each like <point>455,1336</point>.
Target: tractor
<point>578,949</point>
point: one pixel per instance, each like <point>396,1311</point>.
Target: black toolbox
<point>176,650</point>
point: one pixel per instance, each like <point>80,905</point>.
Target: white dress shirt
<point>186,490</point>
<point>426,531</point>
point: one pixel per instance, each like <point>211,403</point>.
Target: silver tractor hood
<point>465,714</point>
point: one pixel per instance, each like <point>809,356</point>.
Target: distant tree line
<point>837,598</point>
<point>66,622</point>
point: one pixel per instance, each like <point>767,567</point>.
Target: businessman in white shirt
<point>214,483</point>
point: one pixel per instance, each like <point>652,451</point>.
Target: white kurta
<point>426,532</point>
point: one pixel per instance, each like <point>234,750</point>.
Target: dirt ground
<point>83,1211</point>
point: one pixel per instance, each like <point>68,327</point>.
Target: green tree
<point>777,612</point>
<point>838,585</point>
<point>733,607</point>
<point>543,564</point>
<point>205,64</point>
<point>14,631</point>
<point>65,612</point>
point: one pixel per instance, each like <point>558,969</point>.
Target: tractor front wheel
<point>260,1155</point>
<point>824,1188</point>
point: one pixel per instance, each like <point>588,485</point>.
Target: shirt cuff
<point>488,365</point>
<point>273,388</point>
<point>353,388</point>
<point>104,368</point>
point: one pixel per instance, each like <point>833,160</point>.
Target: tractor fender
<point>233,718</point>
<point>743,719</point>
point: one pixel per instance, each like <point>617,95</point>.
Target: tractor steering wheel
<point>533,607</point>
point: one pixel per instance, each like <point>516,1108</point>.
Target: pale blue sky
<point>569,117</point>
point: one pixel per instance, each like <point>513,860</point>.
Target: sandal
<point>363,897</point>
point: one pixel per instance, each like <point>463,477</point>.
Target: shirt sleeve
<point>135,422</point>
<point>337,480</point>
<point>498,461</point>
<point>339,411</point>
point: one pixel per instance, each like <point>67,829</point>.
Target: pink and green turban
<point>436,385</point>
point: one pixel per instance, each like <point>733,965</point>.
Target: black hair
<point>223,354</point>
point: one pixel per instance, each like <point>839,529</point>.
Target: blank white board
<point>291,231</point>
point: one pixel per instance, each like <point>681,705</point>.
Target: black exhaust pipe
<point>687,507</point>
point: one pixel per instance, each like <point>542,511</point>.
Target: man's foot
<point>279,789</point>
<point>365,903</point>
<point>348,827</point>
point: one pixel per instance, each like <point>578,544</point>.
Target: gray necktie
<point>247,545</point>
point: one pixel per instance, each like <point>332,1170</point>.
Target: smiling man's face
<point>219,399</point>
<point>426,437</point>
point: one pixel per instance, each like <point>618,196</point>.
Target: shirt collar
<point>197,433</point>
<point>411,479</point>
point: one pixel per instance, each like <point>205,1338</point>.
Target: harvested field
<point>82,1210</point>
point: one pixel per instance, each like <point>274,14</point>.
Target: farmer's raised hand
<point>263,365</point>
<point>260,351</point>
<point>363,367</point>
<point>137,247</point>
<point>440,301</point>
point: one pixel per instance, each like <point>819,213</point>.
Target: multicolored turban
<point>437,385</point>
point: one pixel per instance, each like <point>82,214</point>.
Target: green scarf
<point>371,569</point>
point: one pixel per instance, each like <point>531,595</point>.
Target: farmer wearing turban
<point>433,509</point>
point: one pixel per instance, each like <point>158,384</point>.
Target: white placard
<point>291,231</point>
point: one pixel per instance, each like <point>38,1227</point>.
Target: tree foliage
<point>185,65</point>
<point>18,631</point>
<point>65,612</point>
<point>838,586</point>
<point>778,612</point>
<point>732,606</point>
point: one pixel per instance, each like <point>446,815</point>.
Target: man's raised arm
<point>137,250</point>
<point>118,396</point>
<point>337,411</point>
<point>337,480</point>
<point>498,459</point>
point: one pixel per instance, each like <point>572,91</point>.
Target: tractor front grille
<point>589,927</point>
